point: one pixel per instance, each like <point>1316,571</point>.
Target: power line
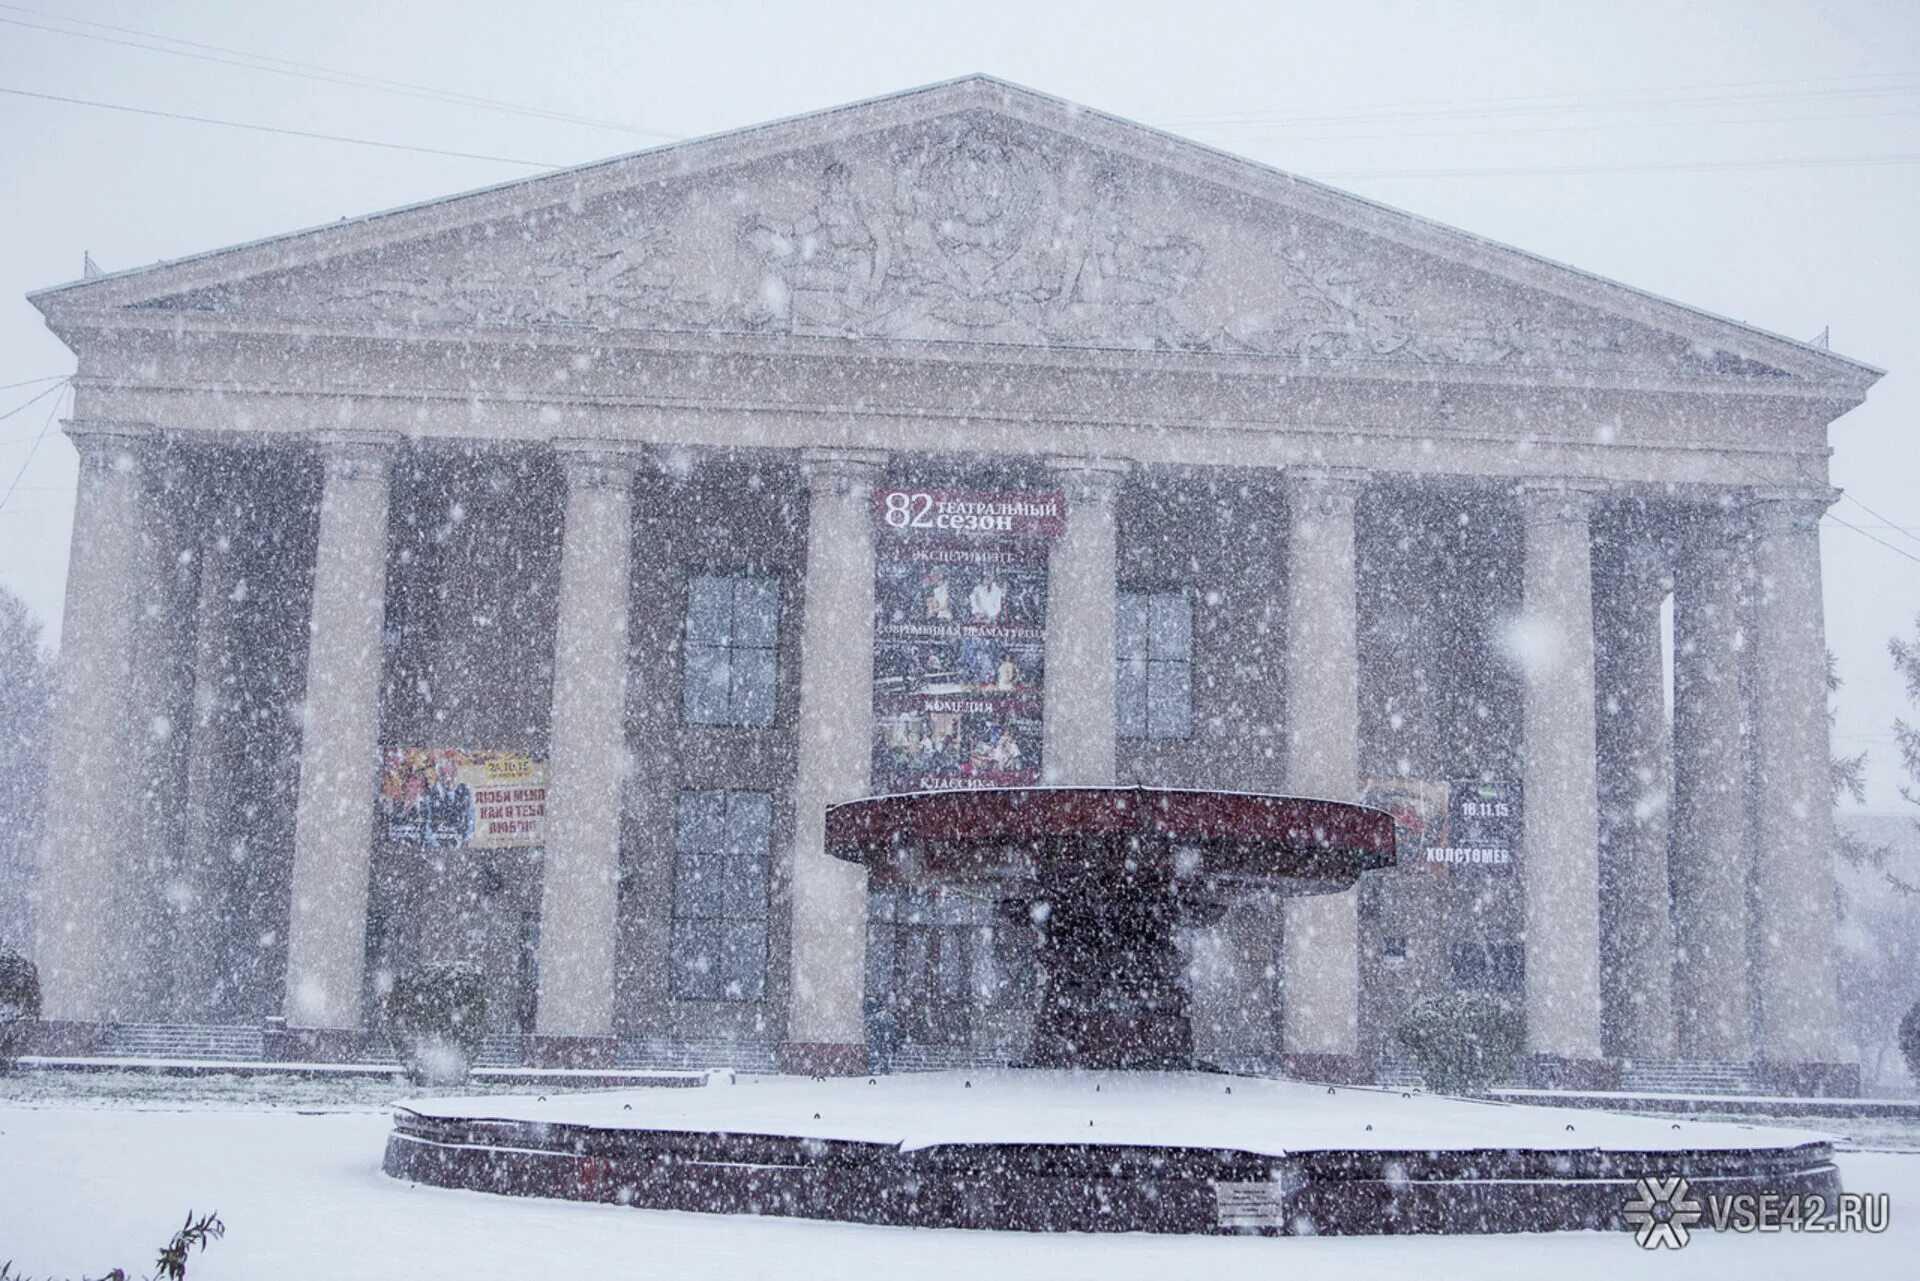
<point>1686,166</point>
<point>309,71</point>
<point>1897,551</point>
<point>33,399</point>
<point>1595,128</point>
<point>1600,97</point>
<point>292,133</point>
<point>28,382</point>
<point>1546,104</point>
<point>1885,522</point>
<point>1828,515</point>
<point>26,462</point>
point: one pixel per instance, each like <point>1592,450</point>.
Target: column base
<point>544,1051</point>
<point>66,1038</point>
<point>313,1044</point>
<point>1329,1069</point>
<point>1557,1072</point>
<point>1810,1080</point>
<point>823,1058</point>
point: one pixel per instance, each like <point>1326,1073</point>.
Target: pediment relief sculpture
<point>972,229</point>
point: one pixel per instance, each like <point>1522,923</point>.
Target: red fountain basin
<point>1103,875</point>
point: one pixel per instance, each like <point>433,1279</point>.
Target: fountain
<point>1104,875</point>
<point>1104,1127</point>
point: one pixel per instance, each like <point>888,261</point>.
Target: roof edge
<point>1844,369</point>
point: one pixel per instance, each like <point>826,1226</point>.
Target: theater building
<point>514,579</point>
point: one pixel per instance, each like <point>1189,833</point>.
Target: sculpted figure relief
<point>970,229</point>
<point>973,236</point>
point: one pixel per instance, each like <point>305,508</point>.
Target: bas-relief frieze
<point>974,229</point>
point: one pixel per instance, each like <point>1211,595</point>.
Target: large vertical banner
<point>960,586</point>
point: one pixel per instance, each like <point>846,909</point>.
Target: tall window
<point>1153,643</point>
<point>719,945</point>
<point>733,631</point>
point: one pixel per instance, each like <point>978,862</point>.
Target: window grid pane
<point>720,865</point>
<point>1153,678</point>
<point>732,645</point>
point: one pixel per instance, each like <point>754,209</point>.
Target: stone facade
<point>442,476</point>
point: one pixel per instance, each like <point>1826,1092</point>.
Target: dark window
<point>719,948</point>
<point>733,633</point>
<point>1153,646</point>
<point>1394,946</point>
<point>1487,967</point>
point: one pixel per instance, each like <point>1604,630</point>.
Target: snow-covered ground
<point>1165,1109</point>
<point>91,1178</point>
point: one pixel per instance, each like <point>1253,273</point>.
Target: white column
<point>84,947</point>
<point>825,1028</point>
<point>1710,832</point>
<point>339,745</point>
<point>1634,809</point>
<point>1793,851</point>
<point>1321,1018</point>
<point>200,938</point>
<point>1553,644</point>
<point>1082,597</point>
<point>580,874</point>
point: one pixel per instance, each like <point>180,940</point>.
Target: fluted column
<point>580,871</point>
<point>1553,644</point>
<point>1634,793</point>
<point>1793,848</point>
<point>1709,844</point>
<point>339,750</point>
<point>1082,598</point>
<point>1321,1016</point>
<point>825,1031</point>
<point>84,945</point>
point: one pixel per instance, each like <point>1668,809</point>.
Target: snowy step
<point>658,1052</point>
<point>1679,1076</point>
<point>184,1041</point>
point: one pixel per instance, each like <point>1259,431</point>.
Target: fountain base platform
<point>1091,1151</point>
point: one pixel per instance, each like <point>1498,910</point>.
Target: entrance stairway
<point>1651,1076</point>
<point>228,1043</point>
<point>1676,1076</point>
<point>219,1042</point>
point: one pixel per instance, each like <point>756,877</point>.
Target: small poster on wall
<point>453,798</point>
<point>1471,824</point>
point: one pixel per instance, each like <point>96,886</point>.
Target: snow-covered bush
<point>1910,1040</point>
<point>436,1018</point>
<point>19,1004</point>
<point>1463,1042</point>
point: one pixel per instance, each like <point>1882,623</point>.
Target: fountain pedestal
<point>1103,875</point>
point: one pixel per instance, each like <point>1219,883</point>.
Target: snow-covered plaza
<point>96,1172</point>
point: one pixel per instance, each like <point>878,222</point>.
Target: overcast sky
<point>1758,160</point>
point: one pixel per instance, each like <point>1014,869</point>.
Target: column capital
<point>351,454</point>
<point>104,444</point>
<point>1782,511</point>
<point>1090,479</point>
<point>1328,489</point>
<point>599,464</point>
<point>1558,502</point>
<point>842,468</point>
<point>1718,532</point>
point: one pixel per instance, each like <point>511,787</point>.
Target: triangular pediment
<point>970,212</point>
